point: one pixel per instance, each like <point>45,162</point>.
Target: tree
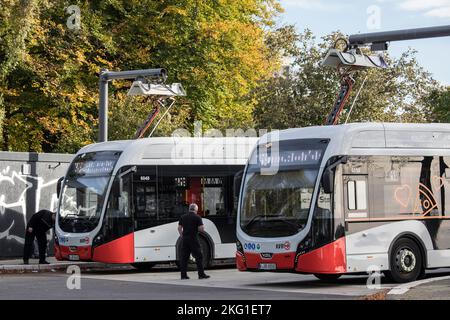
<point>306,91</point>
<point>216,49</point>
<point>438,103</point>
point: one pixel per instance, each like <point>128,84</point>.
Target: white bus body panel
<point>371,247</point>
<point>159,243</point>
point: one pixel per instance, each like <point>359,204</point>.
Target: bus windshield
<point>276,203</point>
<point>84,189</point>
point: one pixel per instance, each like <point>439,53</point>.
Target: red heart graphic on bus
<point>403,195</point>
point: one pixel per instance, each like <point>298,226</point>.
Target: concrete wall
<point>27,184</point>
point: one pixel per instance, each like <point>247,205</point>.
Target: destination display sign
<point>99,163</point>
<point>96,167</point>
<point>288,154</point>
<point>290,157</point>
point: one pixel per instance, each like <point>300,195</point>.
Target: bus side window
<point>357,198</point>
<point>323,220</point>
<point>351,195</point>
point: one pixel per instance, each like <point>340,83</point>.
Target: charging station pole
<point>107,76</point>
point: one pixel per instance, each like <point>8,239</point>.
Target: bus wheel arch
<point>406,251</point>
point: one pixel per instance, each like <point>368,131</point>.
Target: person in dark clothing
<point>189,226</point>
<point>37,227</point>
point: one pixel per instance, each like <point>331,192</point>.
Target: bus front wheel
<point>405,261</point>
<point>327,276</point>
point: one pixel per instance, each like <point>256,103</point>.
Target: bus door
<point>145,198</point>
<point>217,203</point>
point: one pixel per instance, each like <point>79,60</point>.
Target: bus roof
<point>376,138</point>
<point>179,150</point>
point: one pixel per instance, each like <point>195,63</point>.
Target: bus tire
<point>406,261</point>
<point>143,266</point>
<point>206,253</point>
<point>328,277</point>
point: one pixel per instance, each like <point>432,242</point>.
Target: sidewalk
<point>17,266</point>
<point>436,290</point>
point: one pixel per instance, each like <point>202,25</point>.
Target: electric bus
<point>120,201</point>
<point>347,199</point>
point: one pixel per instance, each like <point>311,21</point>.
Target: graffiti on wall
<point>20,196</point>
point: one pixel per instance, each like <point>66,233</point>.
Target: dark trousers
<point>189,246</point>
<point>28,247</point>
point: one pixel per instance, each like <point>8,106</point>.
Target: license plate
<point>74,257</point>
<point>267,266</point>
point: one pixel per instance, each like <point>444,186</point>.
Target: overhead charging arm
<point>346,87</point>
<point>379,40</point>
<point>351,59</point>
<point>107,76</point>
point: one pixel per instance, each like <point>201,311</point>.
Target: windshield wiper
<point>257,217</point>
<point>69,215</point>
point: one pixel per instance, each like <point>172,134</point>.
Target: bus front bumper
<point>72,253</point>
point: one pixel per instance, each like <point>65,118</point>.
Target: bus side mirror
<point>237,183</point>
<point>59,186</point>
<point>328,180</point>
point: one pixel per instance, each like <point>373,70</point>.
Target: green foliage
<point>438,103</point>
<point>216,49</point>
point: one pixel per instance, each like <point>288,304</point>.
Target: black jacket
<point>41,221</point>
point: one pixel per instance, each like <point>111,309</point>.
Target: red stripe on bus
<point>240,262</point>
<point>117,251</point>
<point>327,259</point>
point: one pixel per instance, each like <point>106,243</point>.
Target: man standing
<point>37,227</point>
<point>189,226</point>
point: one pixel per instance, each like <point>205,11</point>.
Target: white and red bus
<point>346,199</point>
<point>120,201</point>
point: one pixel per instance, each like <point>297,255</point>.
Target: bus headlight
<point>97,240</point>
<point>239,247</point>
<point>303,247</point>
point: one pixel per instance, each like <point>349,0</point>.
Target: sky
<point>362,16</point>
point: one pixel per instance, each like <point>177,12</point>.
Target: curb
<point>17,269</point>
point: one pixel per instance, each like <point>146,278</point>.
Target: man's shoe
<point>185,278</point>
<point>204,276</point>
<point>44,262</point>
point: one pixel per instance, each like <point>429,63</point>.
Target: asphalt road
<point>224,284</point>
